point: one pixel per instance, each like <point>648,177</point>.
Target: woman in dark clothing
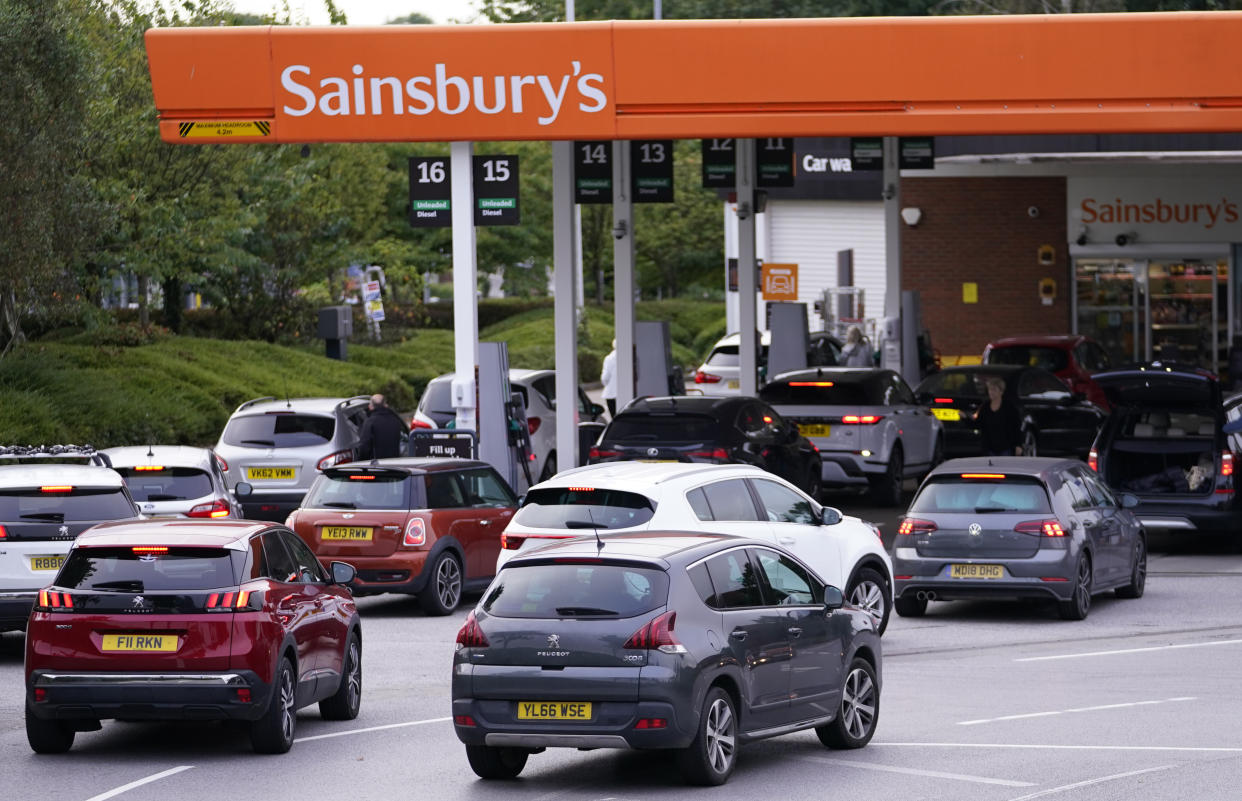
<point>1000,422</point>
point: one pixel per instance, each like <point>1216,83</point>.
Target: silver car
<point>279,448</point>
<point>1017,527</point>
<point>175,481</point>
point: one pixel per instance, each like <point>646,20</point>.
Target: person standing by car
<point>608,377</point>
<point>1000,422</point>
<point>380,437</point>
<point>856,352</point>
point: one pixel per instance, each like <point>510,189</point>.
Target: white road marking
<point>933,774</point>
<point>1059,747</point>
<point>370,729</point>
<point>1075,709</point>
<point>1089,782</point>
<point>124,788</point>
<point>1128,651</point>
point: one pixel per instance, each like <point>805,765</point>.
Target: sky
<point>366,12</point>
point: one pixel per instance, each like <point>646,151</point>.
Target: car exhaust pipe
<point>926,596</point>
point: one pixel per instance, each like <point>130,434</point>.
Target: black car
<point>1055,421</point>
<point>692,642</point>
<point>713,430</point>
<point>1165,443</point>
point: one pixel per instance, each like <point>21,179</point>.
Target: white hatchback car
<point>742,500</point>
<point>175,481</point>
<point>719,373</point>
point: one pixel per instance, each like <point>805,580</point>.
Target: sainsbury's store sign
<point>1155,209</point>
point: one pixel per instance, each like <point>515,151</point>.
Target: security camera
<point>1124,239</point>
<point>619,230</point>
<point>1032,211</point>
<point>1082,240</point>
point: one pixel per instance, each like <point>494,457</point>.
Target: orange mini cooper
<point>429,527</point>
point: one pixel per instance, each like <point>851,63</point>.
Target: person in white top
<point>857,351</point>
<point>608,377</point>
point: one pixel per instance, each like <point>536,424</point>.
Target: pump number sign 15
<point>496,190</point>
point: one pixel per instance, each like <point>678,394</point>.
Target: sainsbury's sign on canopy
<point>1159,207</point>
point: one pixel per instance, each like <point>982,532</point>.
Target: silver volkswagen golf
<point>692,642</point>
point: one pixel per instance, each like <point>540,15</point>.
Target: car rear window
<point>359,491</point>
<point>279,430</point>
<point>583,508</point>
<point>662,428</point>
<point>437,397</point>
<point>166,483</point>
<point>818,392</point>
<point>77,506</point>
<point>123,570</point>
<point>1052,359</point>
<point>956,384</point>
<point>576,590</point>
<point>954,494</point>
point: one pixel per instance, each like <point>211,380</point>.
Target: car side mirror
<point>830,516</point>
<point>1129,500</point>
<point>521,500</point>
<point>833,598</point>
<point>343,573</point>
<point>596,410</point>
<point>242,489</point>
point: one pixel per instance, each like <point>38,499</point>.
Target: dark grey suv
<point>693,642</point>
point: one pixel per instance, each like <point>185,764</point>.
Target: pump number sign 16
<point>431,192</point>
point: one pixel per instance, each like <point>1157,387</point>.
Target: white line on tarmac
<point>124,788</point>
<point>1075,709</point>
<point>1089,782</point>
<point>933,774</point>
<point>369,729</point>
<point>1128,651</point>
<point>1059,747</point>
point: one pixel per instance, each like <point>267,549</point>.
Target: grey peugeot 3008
<point>694,642</point>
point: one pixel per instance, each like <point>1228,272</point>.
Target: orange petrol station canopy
<point>1079,73</point>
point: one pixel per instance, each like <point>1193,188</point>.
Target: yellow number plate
<point>733,384</point>
<point>260,473</point>
<point>976,571</point>
<point>553,710</point>
<point>815,430</point>
<point>46,562</point>
<point>948,414</point>
<point>349,533</point>
<point>140,642</point>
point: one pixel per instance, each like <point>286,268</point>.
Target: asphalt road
<point>995,702</point>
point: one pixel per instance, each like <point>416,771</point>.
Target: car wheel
<point>443,592</point>
<point>909,606</point>
<point>712,755</point>
<point>490,762</point>
<point>1079,605</point>
<point>273,733</point>
<point>47,736</point>
<point>1138,574</point>
<point>859,710</point>
<point>549,467</point>
<point>870,593</point>
<point>1029,445</point>
<point>344,703</point>
<point>814,479</point>
<point>887,488</point>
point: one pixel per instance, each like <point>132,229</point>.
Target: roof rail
<point>253,402</point>
<point>41,452</point>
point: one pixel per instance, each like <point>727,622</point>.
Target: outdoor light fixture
<point>912,215</point>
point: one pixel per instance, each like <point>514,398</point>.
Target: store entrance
<point>1174,310</point>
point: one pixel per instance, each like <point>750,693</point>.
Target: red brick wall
<point>979,230</point>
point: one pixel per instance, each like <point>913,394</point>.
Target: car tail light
<point>471,634</point>
<point>217,508</point>
<point>464,720</point>
<point>600,453</point>
<point>236,600</point>
<point>701,377</point>
<point>416,423</point>
<point>512,542</point>
<point>912,526</point>
<point>715,453</point>
<point>533,423</point>
<point>3,534</point>
<point>943,400</point>
<point>150,550</point>
<point>224,466</point>
<point>415,533</point>
<point>148,468</point>
<point>1226,463</point>
<point>243,695</point>
<point>811,383</point>
<point>861,419</point>
<point>57,488</point>
<point>651,723</point>
<point>54,599</point>
<point>985,476</point>
<point>1093,460</point>
<point>1046,528</point>
<point>335,459</point>
<point>40,695</point>
<point>657,634</point>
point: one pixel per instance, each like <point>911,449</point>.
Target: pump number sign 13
<point>430,193</point>
<point>651,168</point>
<point>496,190</point>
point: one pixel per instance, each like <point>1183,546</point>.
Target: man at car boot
<point>380,437</point>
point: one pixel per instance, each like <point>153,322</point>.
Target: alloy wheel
<point>721,735</point>
<point>448,582</point>
<point>869,597</point>
<point>858,703</point>
<point>287,712</point>
<point>354,678</point>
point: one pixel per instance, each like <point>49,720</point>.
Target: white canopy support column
<point>891,354</point>
<point>746,270</point>
<point>623,270</point>
<point>564,312</point>
<point>465,284</point>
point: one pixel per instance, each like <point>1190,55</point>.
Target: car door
<point>1087,516</point>
<point>1063,425</point>
<point>727,507</point>
<point>493,504</point>
<point>294,607</point>
<point>815,638</point>
<point>757,638</point>
<point>453,515</point>
<point>781,441</point>
<point>917,427</point>
<point>1118,537</point>
<point>328,629</point>
<point>793,520</point>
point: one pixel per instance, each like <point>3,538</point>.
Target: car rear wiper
<point>53,517</point>
<point>125,585</point>
<point>158,497</point>
<point>981,509</point>
<point>341,505</point>
<point>574,611</point>
<point>582,524</point>
<point>268,442</point>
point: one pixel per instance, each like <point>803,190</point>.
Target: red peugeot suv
<point>191,620</point>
